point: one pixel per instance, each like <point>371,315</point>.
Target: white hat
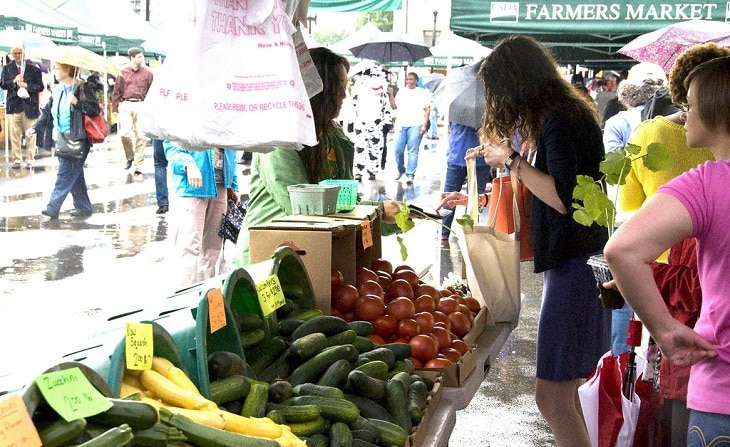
<point>646,70</point>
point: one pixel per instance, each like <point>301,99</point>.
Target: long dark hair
<point>324,107</point>
<point>522,84</point>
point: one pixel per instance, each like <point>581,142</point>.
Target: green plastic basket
<point>317,200</point>
<point>347,197</point>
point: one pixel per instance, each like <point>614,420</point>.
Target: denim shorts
<point>708,429</point>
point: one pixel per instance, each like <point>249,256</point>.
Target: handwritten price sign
<point>16,427</point>
<point>139,348</point>
<point>367,234</point>
<point>271,297</point>
<point>71,394</point>
<point>216,310</point>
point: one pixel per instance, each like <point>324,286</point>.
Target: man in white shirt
<point>413,106</point>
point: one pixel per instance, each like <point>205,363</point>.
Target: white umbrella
<point>79,57</point>
<point>16,38</point>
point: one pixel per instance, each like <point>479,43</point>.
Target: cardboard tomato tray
<point>456,374</point>
<point>480,324</point>
<point>434,399</point>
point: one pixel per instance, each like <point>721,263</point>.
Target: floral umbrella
<point>664,45</point>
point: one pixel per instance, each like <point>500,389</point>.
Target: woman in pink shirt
<point>695,204</point>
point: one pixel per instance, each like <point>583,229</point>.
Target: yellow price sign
<point>271,297</point>
<point>16,426</point>
<point>216,310</point>
<point>139,346</point>
<point>367,234</point>
<point>71,394</point>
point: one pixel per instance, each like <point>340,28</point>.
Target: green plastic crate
<point>347,197</point>
<point>317,200</point>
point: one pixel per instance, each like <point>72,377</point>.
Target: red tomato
<point>438,363</point>
<point>460,345</point>
<point>465,310</point>
<point>377,339</point>
<point>401,308</point>
<point>381,264</point>
<point>417,363</point>
<point>344,298</point>
<point>473,304</point>
<point>369,307</point>
<point>428,289</point>
<point>409,275</point>
<point>408,328</point>
<point>443,337</point>
<point>440,317</point>
<point>423,347</point>
<point>425,303</point>
<point>459,324</point>
<point>399,287</point>
<point>450,353</point>
<point>336,279</point>
<point>364,274</point>
<point>385,326</point>
<point>447,305</point>
<point>369,287</point>
<point>425,321</point>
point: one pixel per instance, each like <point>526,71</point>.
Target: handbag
<point>491,258</point>
<point>232,220</point>
<point>67,148</point>
<point>96,127</point>
<point>504,210</point>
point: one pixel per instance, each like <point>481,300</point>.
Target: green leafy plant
<point>405,223</point>
<point>593,204</point>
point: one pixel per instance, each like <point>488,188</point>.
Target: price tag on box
<point>139,347</point>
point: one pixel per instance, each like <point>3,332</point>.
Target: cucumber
<point>289,308</point>
<point>362,328</point>
<point>255,403</point>
<point>366,386</point>
<point>417,396</point>
<point>336,410</point>
<point>286,326</point>
<point>398,404</point>
<point>280,390</point>
<point>247,321</point>
<point>340,435</point>
<point>307,314</point>
<point>229,389</point>
<point>114,437</point>
<point>390,434</point>
<point>309,428</point>
<point>312,369</point>
<point>311,389</point>
<point>362,426</point>
<point>347,337</point>
<point>336,374</point>
<point>364,435</point>
<point>326,324</point>
<point>300,413</point>
<point>318,440</point>
<point>60,432</point>
<point>376,369</point>
<point>404,379</point>
<point>222,364</point>
<point>276,416</point>
<point>383,354</point>
<point>280,369</point>
<point>401,351</point>
<point>252,338</point>
<point>356,442</point>
<point>370,409</point>
<point>138,415</point>
<point>308,345</point>
<point>265,353</point>
<point>204,436</point>
<point>405,365</point>
<point>363,344</point>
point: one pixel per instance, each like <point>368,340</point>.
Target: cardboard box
<point>480,324</point>
<point>434,399</point>
<point>322,242</point>
<point>365,256</point>
<point>456,374</point>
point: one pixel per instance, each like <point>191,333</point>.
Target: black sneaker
<point>49,214</point>
<point>162,209</point>
<point>128,165</point>
<point>77,213</point>
<point>410,180</point>
<point>398,177</point>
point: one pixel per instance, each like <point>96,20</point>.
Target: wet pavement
<point>64,282</point>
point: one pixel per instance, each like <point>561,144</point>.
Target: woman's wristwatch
<point>508,162</point>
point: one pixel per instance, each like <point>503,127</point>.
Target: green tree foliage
<point>382,19</point>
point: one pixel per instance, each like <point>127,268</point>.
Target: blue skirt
<point>574,329</point>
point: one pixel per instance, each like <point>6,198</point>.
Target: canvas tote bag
<point>491,257</point>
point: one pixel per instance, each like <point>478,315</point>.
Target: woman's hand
<point>496,153</point>
<point>390,209</point>
<point>30,132</point>
<point>231,194</point>
<point>452,199</point>
<point>195,178</point>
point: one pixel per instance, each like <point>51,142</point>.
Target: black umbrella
<point>463,92</point>
<point>431,81</point>
<point>386,47</point>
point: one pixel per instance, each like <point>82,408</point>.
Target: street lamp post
<point>433,36</point>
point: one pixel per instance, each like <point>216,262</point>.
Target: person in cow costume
<point>372,113</point>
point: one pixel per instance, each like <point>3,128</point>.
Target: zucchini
<point>326,324</point>
<point>336,374</point>
<point>265,353</point>
<point>300,413</point>
<point>204,436</point>
<point>390,434</point>
<point>280,390</point>
<point>309,428</point>
<point>247,321</point>
<point>229,389</point>
<point>311,389</point>
<point>313,368</point>
<point>308,345</point>
<point>114,437</point>
<point>376,369</point>
<point>276,416</point>
<point>255,403</point>
<point>138,415</point>
<point>402,351</point>
<point>252,338</point>
<point>340,435</point>
<point>347,337</point>
<point>370,409</point>
<point>60,432</point>
<point>286,326</point>
<point>222,364</point>
<point>366,386</point>
<point>318,440</point>
<point>363,344</point>
<point>362,328</point>
<point>417,396</point>
<point>398,404</point>
<point>336,410</point>
<point>383,354</point>
<point>159,435</point>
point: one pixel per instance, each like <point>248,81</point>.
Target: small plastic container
<point>611,298</point>
<point>347,197</point>
<point>316,200</point>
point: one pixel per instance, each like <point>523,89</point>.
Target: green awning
<point>589,33</point>
<point>355,5</point>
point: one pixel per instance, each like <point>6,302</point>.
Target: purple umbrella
<point>664,45</point>
<point>39,64</point>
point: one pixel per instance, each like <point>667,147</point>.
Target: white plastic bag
<point>233,82</point>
